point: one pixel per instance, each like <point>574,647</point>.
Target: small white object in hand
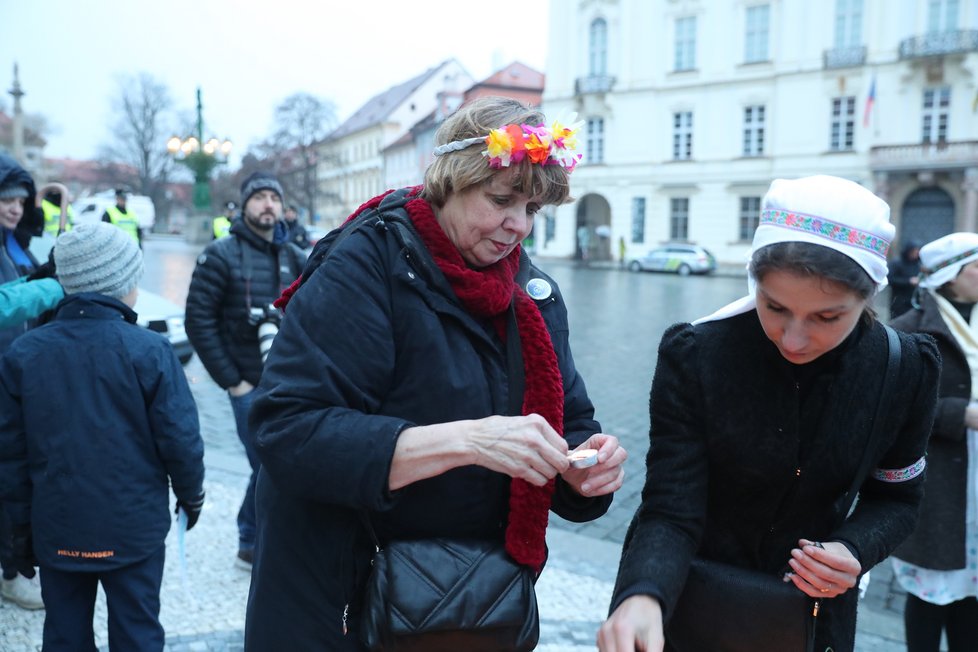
<point>582,459</point>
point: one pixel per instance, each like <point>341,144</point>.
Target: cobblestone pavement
<point>616,321</point>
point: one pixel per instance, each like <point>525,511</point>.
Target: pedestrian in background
<point>221,226</point>
<point>297,234</point>
<point>123,218</point>
<point>903,279</point>
<point>234,284</point>
<point>96,422</point>
<point>415,383</point>
<point>938,564</point>
<point>51,205</point>
<point>19,222</point>
<point>761,415</point>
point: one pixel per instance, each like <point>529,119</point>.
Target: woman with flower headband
<point>422,378</point>
<point>763,428</point>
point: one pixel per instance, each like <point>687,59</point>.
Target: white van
<point>91,209</point>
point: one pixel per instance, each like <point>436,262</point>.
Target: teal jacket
<point>21,300</point>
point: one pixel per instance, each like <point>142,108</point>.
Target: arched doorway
<point>592,236</point>
<point>928,214</point>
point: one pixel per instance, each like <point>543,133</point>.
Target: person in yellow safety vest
<point>222,223</point>
<point>51,205</point>
<point>120,217</point>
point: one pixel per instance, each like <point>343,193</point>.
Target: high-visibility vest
<point>52,217</point>
<point>125,221</point>
<point>222,226</point>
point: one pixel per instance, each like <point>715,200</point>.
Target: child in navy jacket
<point>96,422</point>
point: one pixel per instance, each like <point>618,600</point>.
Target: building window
<point>843,123</point>
<point>753,131</point>
<point>682,135</point>
<point>686,43</point>
<point>638,220</point>
<point>936,104</point>
<point>755,45</point>
<point>595,141</point>
<point>848,23</point>
<point>750,213</point>
<point>598,48</point>
<point>679,218</point>
<point>942,15</point>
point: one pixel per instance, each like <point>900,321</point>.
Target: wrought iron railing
<point>594,84</point>
<point>925,156</point>
<point>935,44</point>
<point>844,57</point>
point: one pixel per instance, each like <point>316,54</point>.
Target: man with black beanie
<point>236,280</point>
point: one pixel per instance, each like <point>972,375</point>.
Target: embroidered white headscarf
<point>822,210</point>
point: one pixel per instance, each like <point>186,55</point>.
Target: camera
<point>267,319</point>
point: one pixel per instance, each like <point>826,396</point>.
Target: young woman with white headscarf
<point>937,564</point>
<point>761,415</point>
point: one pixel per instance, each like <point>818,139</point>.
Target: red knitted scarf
<point>487,293</point>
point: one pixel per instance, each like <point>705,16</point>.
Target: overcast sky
<point>245,55</point>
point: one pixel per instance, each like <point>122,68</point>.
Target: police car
<point>678,258</point>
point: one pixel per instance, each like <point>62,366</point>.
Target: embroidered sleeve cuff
<point>901,475</point>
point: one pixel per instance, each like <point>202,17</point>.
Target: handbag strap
<point>890,378</point>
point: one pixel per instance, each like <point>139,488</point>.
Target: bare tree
<point>139,132</point>
<point>301,121</point>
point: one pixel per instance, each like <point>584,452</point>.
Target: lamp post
<point>200,157</point>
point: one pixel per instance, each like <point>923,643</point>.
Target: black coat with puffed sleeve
<point>750,453</point>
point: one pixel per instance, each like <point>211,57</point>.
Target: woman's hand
<point>823,570</point>
<point>635,625</point>
<point>524,447</point>
<point>607,475</point>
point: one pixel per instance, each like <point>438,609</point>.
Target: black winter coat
<point>749,454</point>
<point>218,320</point>
<point>369,346</point>
<point>96,421</point>
<point>939,540</point>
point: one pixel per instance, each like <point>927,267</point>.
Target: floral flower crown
<point>553,145</point>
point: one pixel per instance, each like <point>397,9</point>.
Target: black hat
<point>120,192</point>
<point>260,181</point>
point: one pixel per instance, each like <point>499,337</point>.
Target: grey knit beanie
<point>260,181</point>
<point>13,190</point>
<point>99,258</point>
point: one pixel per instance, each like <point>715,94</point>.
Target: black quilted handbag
<point>449,595</point>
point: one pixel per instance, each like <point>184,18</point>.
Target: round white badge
<point>539,289</point>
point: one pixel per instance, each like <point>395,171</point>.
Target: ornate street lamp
<point>200,157</point>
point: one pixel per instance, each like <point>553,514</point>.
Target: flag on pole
<point>870,100</point>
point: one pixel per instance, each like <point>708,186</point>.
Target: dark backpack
<point>390,214</point>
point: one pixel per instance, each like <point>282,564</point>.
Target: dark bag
<point>452,595</point>
<point>726,608</point>
<point>449,595</point>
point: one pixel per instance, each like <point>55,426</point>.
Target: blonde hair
<point>456,172</point>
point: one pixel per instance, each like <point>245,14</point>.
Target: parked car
<point>681,259</point>
<point>165,317</point>
<point>91,208</point>
<point>153,311</point>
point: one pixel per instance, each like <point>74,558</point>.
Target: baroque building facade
<point>692,107</point>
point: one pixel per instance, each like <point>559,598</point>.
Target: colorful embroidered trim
<point>553,145</point>
<point>901,475</point>
<point>947,263</point>
<point>827,229</point>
